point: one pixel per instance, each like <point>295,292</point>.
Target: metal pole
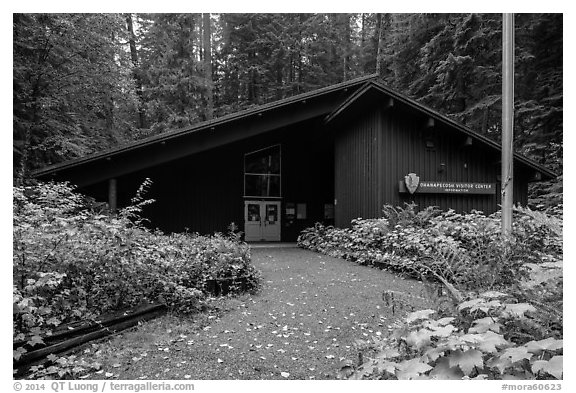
<point>507,121</point>
<point>112,195</point>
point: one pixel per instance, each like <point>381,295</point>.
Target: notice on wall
<point>301,211</point>
<point>290,211</point>
<point>448,187</point>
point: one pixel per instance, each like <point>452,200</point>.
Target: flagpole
<point>507,121</point>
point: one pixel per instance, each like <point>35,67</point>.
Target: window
<point>262,173</point>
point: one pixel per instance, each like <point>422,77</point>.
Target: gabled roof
<point>360,88</point>
<point>353,83</point>
<point>374,86</point>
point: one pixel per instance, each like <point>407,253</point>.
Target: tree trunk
<point>346,51</point>
<point>135,72</point>
<point>35,120</point>
<point>362,31</point>
<point>379,43</point>
<point>207,45</point>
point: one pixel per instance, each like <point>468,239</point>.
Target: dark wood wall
<point>308,176</point>
<point>358,169</point>
<point>199,193</point>
<point>376,149</point>
<point>204,192</point>
<point>357,163</point>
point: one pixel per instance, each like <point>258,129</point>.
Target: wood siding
<point>374,151</point>
<point>358,164</point>
<point>357,169</point>
<point>204,192</point>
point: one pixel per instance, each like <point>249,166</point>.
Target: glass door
<point>252,221</point>
<point>261,221</point>
<point>271,228</point>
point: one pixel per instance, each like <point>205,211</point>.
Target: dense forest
<point>87,82</point>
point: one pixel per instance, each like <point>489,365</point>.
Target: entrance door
<point>262,220</point>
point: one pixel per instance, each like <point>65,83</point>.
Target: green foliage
<point>76,90</point>
<point>73,93</point>
<point>170,70</point>
<point>72,263</point>
<point>515,333</point>
<point>66,367</point>
<point>548,196</point>
<point>452,62</point>
<point>466,250</point>
<point>482,340</point>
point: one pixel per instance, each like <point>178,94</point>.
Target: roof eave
<point>51,169</point>
<point>373,84</point>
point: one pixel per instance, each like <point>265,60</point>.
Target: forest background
<point>83,83</point>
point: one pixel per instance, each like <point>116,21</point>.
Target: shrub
<point>466,250</point>
<point>489,337</point>
<point>513,333</point>
<point>71,263</point>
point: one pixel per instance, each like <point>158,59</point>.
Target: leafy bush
<point>64,367</point>
<point>466,250</point>
<point>490,337</point>
<point>70,262</point>
<point>547,196</point>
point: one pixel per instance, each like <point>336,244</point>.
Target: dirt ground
<point>301,325</point>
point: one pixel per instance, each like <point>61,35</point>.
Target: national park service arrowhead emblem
<point>411,181</point>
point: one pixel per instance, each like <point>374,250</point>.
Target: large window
<point>262,173</point>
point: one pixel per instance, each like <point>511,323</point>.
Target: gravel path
<point>301,325</point>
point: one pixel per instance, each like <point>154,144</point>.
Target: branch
<point>454,293</point>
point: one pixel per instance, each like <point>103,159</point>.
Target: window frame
<point>279,175</point>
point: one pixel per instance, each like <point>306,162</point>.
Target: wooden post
<point>112,195</point>
<point>507,121</point>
